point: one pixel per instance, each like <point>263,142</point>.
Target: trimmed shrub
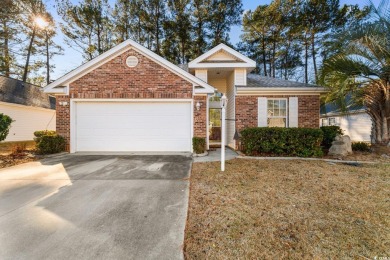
<point>39,134</point>
<point>199,145</point>
<point>330,133</point>
<point>361,146</point>
<point>49,142</point>
<point>303,142</point>
<point>5,124</point>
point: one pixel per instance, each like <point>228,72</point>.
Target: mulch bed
<point>9,160</point>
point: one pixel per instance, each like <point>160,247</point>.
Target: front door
<point>215,126</point>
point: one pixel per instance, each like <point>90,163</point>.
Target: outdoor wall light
<point>198,105</point>
<point>224,101</point>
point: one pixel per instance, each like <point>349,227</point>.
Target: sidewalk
<point>215,156</point>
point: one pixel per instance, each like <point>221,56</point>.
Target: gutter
<point>248,90</point>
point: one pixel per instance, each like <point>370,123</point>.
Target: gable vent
<point>131,61</point>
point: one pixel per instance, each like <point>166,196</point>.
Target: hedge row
<point>303,142</point>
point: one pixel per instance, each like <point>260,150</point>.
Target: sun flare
<point>41,22</point>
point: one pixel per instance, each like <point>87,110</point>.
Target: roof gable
<point>60,85</point>
<point>222,56</point>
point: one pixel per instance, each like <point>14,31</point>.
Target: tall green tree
<point>87,26</point>
<point>362,69</point>
<point>46,46</point>
<point>10,22</point>
<point>317,17</point>
<point>221,16</point>
<point>272,36</point>
<point>180,24</point>
<point>155,16</point>
<point>129,20</point>
<point>34,11</point>
<point>199,20</point>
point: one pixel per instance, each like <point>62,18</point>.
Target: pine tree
<point>222,14</point>
<point>87,26</point>
<point>10,15</point>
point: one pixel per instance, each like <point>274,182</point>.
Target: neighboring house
<point>28,106</point>
<point>356,123</point>
<point>131,99</point>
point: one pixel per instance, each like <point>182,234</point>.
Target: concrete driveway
<point>95,207</point>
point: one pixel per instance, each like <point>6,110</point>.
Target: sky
<point>72,59</point>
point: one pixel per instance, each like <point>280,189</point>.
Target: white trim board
<point>280,91</point>
<point>117,50</point>
<point>247,62</point>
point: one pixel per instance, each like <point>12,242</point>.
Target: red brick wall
<point>308,111</point>
<point>200,122</point>
<point>115,80</point>
<point>63,118</point>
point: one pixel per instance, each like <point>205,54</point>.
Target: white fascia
<point>117,50</point>
<point>248,63</point>
<point>280,91</point>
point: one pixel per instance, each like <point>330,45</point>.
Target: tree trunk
<point>264,56</point>
<point>6,51</point>
<point>47,60</point>
<point>313,53</point>
<point>25,73</point>
<point>273,59</point>
<point>306,60</point>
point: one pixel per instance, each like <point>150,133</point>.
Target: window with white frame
<point>324,122</point>
<point>277,112</point>
<point>332,121</point>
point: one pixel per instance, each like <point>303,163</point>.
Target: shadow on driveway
<point>95,207</point>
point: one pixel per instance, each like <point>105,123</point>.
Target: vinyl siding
<point>230,112</point>
<point>27,120</point>
<point>357,126</point>
<point>221,56</point>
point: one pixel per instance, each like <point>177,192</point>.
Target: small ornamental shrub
<point>199,145</point>
<point>330,133</point>
<point>277,141</point>
<point>5,124</point>
<point>361,146</point>
<point>38,134</point>
<point>49,142</point>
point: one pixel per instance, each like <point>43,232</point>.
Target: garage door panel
<point>133,126</point>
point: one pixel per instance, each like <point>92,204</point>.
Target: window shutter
<point>293,112</point>
<point>262,112</point>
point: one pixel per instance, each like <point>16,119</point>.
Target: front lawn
<point>288,209</point>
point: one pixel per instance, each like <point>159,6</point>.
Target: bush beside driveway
<point>288,209</point>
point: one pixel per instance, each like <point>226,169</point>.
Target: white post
<point>223,131</point>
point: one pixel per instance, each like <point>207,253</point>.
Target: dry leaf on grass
<point>288,209</point>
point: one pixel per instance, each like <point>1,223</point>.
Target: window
<point>324,122</point>
<point>332,121</point>
<point>277,112</point>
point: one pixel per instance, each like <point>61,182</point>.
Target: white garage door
<point>133,126</point>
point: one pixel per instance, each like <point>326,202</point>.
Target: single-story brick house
<point>29,108</point>
<point>131,99</point>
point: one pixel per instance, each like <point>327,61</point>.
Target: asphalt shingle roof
<point>257,81</point>
<point>19,92</point>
